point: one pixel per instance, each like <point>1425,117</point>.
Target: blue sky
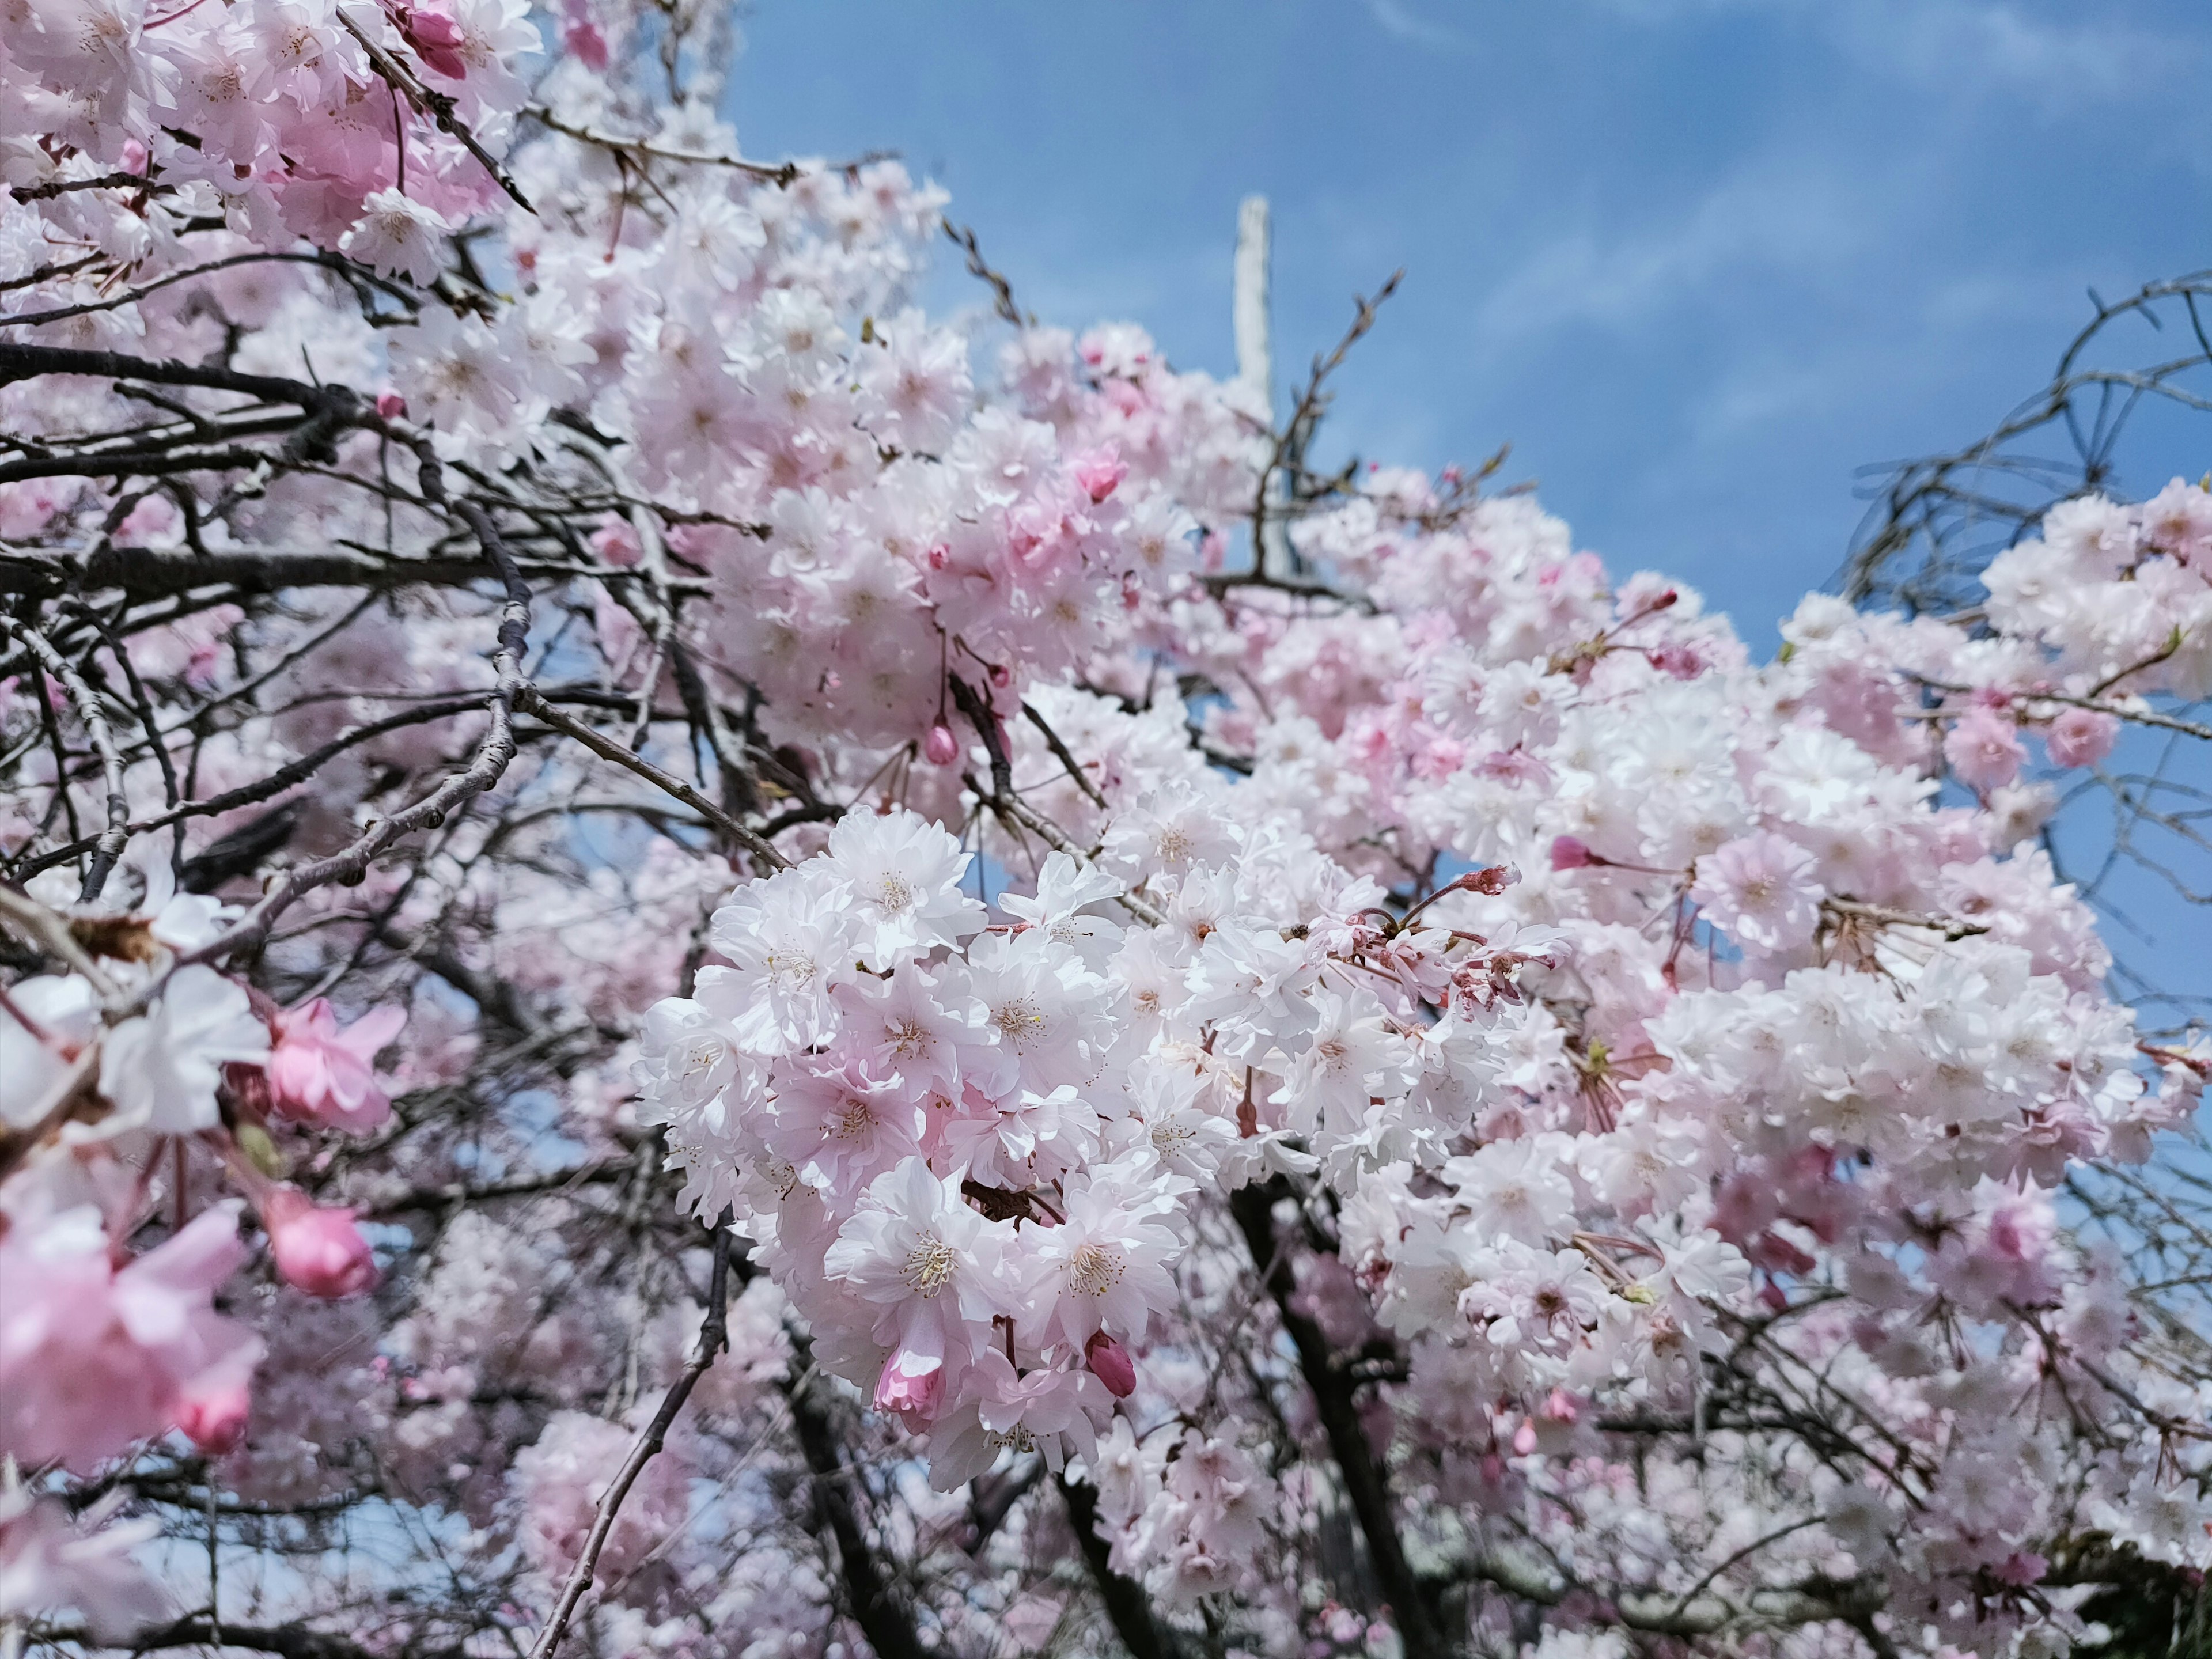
<point>1698,260</point>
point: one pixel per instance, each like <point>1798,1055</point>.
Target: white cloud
<point>1991,42</point>
<point>1966,44</point>
<point>1396,18</point>
<point>1773,217</point>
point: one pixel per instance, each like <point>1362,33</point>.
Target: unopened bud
<point>215,1421</point>
<point>1110,1363</point>
<point>1571,853</point>
<point>940,746</point>
<point>912,1386</point>
<point>318,1251</point>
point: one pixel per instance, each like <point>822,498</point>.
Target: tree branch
<point>878,1609</point>
<point>713,1338</point>
<point>1366,1482</point>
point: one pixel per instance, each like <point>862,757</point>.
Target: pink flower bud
<point>390,405</point>
<point>436,40</point>
<point>1984,750</point>
<point>323,1075</point>
<point>1571,853</point>
<point>939,556</point>
<point>318,1251</point>
<point>2080,737</point>
<point>912,1385</point>
<point>1001,676</point>
<point>616,541</point>
<point>1099,474</point>
<point>133,157</point>
<point>214,1420</point>
<point>1110,1363</point>
<point>585,43</point>
<point>1524,1438</point>
<point>1499,877</point>
<point>940,746</point>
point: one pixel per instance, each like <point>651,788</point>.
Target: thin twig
<point>713,1338</point>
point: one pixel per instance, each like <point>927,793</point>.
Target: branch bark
<point>878,1607</point>
<point>1366,1482</point>
<point>713,1338</point>
<point>1126,1605</point>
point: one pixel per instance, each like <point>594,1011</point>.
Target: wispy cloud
<point>1992,43</point>
<point>1398,20</point>
<point>1773,217</point>
<point>2085,55</point>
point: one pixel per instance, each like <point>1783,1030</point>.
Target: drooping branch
<point>1127,1606</point>
<point>713,1338</point>
<point>877,1605</point>
<point>1365,1482</point>
<point>139,573</point>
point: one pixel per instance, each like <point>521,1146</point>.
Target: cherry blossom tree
<point>698,967</point>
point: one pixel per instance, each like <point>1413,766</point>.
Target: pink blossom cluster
<point>128,121</point>
<point>1412,1033</point>
<point>103,1348</point>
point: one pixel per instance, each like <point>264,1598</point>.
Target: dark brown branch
<point>1127,1606</point>
<point>607,748</point>
<point>1366,1482</point>
<point>1002,291</point>
<point>878,1607</point>
<point>109,845</point>
<point>439,107</point>
<point>713,1338</point>
<point>286,1641</point>
<point>1059,751</point>
<point>142,572</point>
<point>22,362</point>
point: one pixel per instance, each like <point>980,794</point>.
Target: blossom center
<point>1094,1269</point>
<point>793,969</point>
<point>929,1265</point>
<point>910,1037</point>
<point>1020,1021</point>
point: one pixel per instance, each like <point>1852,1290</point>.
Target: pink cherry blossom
<point>320,1074</point>
<point>1983,750</point>
<point>1761,890</point>
<point>94,1356</point>
<point>2080,737</point>
<point>318,1250</point>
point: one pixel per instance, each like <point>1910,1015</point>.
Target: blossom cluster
<point>128,122</point>
<point>1402,1030</point>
